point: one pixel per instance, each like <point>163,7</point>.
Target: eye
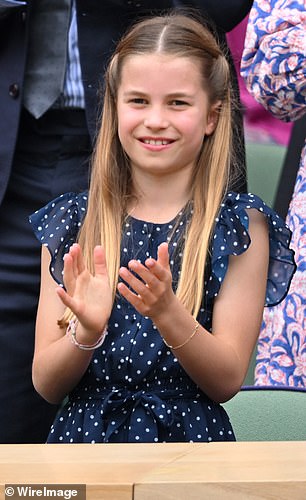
<point>178,103</point>
<point>138,101</point>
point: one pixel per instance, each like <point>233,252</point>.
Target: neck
<point>159,199</point>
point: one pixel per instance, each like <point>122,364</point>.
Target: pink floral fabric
<point>274,69</point>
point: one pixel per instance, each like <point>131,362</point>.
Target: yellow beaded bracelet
<point>186,341</point>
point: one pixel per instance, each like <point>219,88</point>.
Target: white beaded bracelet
<point>71,332</point>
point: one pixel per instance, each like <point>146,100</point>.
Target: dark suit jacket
<point>100,24</point>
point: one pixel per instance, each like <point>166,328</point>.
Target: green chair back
<point>264,166</point>
<point>268,414</point>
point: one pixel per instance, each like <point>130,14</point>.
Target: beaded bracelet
<point>186,341</point>
<point>71,332</point>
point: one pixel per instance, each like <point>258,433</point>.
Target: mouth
<point>157,142</point>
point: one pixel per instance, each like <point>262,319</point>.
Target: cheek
<point>194,135</point>
<point>123,131</point>
<point>194,131</point>
<point>126,125</point>
<point>126,132</point>
<point>194,126</point>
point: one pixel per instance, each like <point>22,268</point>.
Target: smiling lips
<point>157,142</point>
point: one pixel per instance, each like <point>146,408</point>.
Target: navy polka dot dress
<point>134,389</point>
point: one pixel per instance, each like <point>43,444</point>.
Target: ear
<point>212,118</point>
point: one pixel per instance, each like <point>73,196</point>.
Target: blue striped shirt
<point>73,91</point>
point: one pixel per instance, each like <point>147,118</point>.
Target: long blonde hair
<point>180,35</point>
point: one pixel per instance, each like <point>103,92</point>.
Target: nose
<point>156,118</point>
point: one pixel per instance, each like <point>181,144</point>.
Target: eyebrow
<point>172,95</point>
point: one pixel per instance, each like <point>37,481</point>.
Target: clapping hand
<point>88,295</point>
<point>151,292</point>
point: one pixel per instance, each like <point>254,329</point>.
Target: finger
<point>160,267</point>
<point>144,273</point>
<point>135,300</point>
<point>69,273</point>
<point>65,298</point>
<point>100,262</point>
<point>80,265</point>
<point>73,251</point>
<point>136,284</point>
<point>163,255</point>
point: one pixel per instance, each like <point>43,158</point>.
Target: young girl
<point>164,268</point>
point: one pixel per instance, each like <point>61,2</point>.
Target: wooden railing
<point>165,471</point>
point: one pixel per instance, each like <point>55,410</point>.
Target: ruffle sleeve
<point>56,226</point>
<point>231,237</point>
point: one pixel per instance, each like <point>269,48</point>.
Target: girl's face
<point>163,113</point>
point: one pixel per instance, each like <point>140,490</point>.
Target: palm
<point>88,295</point>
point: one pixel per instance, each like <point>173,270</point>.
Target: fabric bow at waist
<point>150,410</point>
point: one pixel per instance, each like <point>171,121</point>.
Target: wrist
<point>177,326</point>
<point>88,342</point>
<point>165,316</point>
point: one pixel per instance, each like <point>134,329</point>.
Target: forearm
<point>213,365</point>
<point>60,359</point>
<point>58,368</point>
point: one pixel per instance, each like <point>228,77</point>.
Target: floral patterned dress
<point>274,69</point>
<point>134,389</point>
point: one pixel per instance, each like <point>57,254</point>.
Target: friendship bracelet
<point>71,332</point>
<point>186,341</point>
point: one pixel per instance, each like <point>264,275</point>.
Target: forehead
<point>161,71</point>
